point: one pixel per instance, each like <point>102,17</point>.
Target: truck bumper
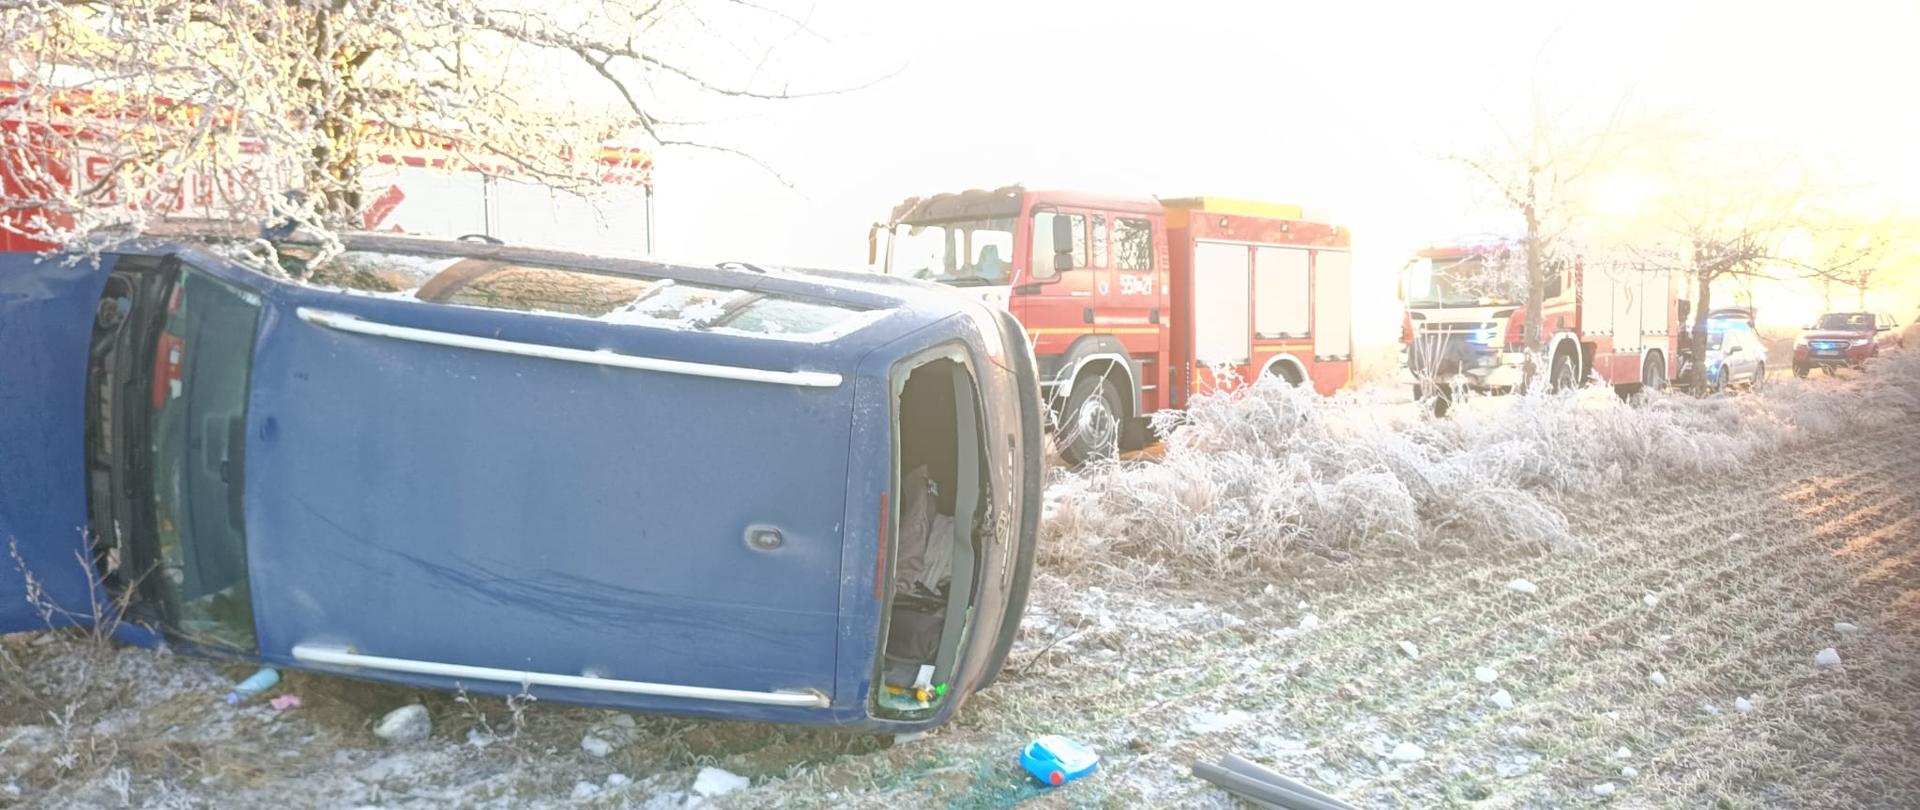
<point>1493,370</point>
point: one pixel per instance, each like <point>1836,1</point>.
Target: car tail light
<point>1406,328</point>
<point>168,354</point>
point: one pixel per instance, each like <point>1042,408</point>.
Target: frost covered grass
<point>1255,477</point>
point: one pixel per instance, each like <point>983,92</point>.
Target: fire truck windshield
<point>963,253</point>
<point>1465,281</point>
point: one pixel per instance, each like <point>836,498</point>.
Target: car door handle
<point>1086,314</point>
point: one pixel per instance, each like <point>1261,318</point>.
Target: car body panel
<point>46,320</point>
<point>1735,348</point>
<point>456,505</point>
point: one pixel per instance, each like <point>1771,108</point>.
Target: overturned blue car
<point>734,491</point>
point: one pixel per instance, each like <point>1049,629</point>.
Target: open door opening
<point>936,555</point>
<point>166,398</point>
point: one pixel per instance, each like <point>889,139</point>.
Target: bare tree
<point>1855,252</point>
<point>272,96</point>
<point>1537,171</point>
<point>1753,227</point>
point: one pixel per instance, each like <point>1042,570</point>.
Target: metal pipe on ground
<point>1249,768</point>
<point>1262,793</point>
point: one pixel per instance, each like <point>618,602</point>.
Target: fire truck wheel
<point>1653,373</point>
<point>1565,372</point>
<point>1092,422</point>
<point>1439,402</point>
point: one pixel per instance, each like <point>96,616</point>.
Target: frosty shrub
<point>1254,476</point>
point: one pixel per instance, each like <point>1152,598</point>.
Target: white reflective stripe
<point>336,656</point>
<point>601,357</point>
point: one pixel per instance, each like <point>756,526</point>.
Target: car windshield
<point>1720,338</point>
<point>578,292</point>
<point>963,253</point>
<point>1845,321</point>
<point>1486,279</point>
<point>203,353</point>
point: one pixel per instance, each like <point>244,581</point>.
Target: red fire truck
<point>415,184</point>
<point>1134,303</point>
<point>1465,325</point>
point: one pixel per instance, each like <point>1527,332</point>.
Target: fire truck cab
<point>1134,303</point>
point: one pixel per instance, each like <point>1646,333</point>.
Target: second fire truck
<point>1134,303</point>
<point>1465,325</point>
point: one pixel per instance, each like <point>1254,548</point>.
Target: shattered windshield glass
<point>966,253</point>
<point>605,296</point>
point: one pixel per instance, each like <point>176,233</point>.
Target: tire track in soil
<point>1386,619</point>
<point>1885,660</point>
<point>1677,721</point>
<point>1688,728</point>
<point>1421,704</point>
<point>1467,569</point>
<point>1147,759</point>
<point>1467,700</point>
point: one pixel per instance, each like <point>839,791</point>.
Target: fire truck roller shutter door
<point>1332,305</point>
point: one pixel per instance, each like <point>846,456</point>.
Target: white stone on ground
<point>718,782</point>
<point>1502,699</point>
<point>1742,705</point>
<point>1629,772</point>
<point>1408,752</point>
<point>1309,621</point>
<point>1485,674</point>
<point>1828,657</point>
<point>1604,789</point>
<point>1650,600</point>
<point>1522,586</point>
<point>618,779</point>
<point>1844,627</point>
<point>407,724</point>
<point>1411,650</point>
<point>595,746</point>
<point>585,790</point>
<point>1658,678</point>
<point>1622,752</point>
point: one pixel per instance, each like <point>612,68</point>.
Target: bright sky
<point>1345,107</point>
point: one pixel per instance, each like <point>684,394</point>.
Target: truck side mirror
<point>1063,237</point>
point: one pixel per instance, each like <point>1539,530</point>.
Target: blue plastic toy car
<point>1056,760</point>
